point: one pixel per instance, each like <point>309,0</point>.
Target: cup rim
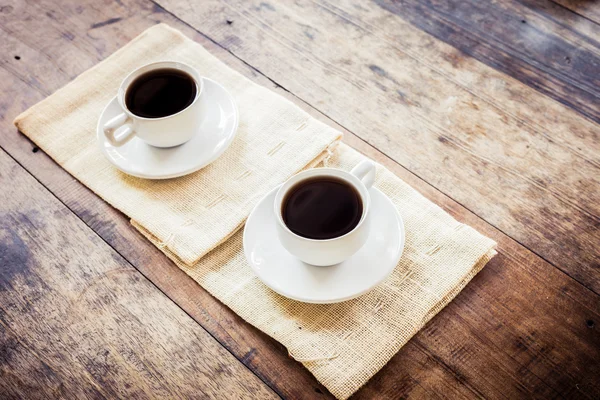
<point>130,77</point>
<point>347,176</point>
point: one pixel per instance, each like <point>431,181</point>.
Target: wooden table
<point>490,109</point>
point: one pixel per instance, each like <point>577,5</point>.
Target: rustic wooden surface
<point>532,165</point>
<point>77,320</point>
<point>586,8</point>
<point>492,118</point>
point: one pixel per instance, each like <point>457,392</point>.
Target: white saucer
<point>292,278</point>
<point>144,161</point>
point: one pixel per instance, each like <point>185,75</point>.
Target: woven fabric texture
<point>345,344</point>
<point>195,220</point>
<point>192,214</point>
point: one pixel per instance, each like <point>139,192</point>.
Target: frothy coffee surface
<point>322,208</point>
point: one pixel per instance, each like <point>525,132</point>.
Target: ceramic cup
<point>328,251</point>
<point>168,131</point>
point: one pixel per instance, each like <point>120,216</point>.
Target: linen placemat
<point>192,214</point>
<point>342,344</point>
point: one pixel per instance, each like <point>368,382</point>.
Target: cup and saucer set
<point>323,236</point>
<point>145,136</point>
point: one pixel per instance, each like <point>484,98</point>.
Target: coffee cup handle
<point>118,130</point>
<point>365,171</point>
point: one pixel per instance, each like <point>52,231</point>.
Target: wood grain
<point>496,339</point>
<point>540,46</point>
<point>587,8</point>
<point>77,320</point>
<point>518,159</point>
<point>82,32</point>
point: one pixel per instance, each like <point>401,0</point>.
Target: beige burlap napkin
<point>343,344</point>
<point>192,214</point>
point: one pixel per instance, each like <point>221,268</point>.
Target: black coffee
<point>322,208</point>
<point>160,93</point>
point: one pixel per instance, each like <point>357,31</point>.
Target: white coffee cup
<point>328,251</point>
<point>168,131</point>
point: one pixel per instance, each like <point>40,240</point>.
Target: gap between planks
<point>274,389</point>
<point>309,105</point>
<point>574,11</point>
<point>366,142</point>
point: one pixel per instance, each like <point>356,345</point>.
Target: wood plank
<point>528,42</point>
<point>520,160</point>
<point>497,337</point>
<point>82,33</point>
<point>587,8</point>
<point>570,20</point>
<point>77,320</point>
